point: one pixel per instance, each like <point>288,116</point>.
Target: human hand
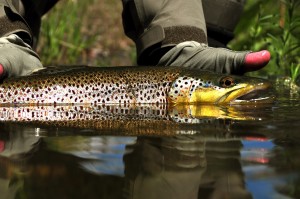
<point>17,58</point>
<point>197,55</point>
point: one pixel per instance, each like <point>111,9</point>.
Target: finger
<point>256,60</point>
<point>1,70</point>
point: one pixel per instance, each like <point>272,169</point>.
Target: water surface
<point>152,152</point>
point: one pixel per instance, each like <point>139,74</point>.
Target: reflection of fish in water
<point>149,119</point>
<point>132,85</point>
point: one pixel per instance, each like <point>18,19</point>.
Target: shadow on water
<point>151,151</point>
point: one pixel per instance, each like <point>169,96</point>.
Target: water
<point>186,152</point>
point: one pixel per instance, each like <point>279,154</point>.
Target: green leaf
<point>267,17</point>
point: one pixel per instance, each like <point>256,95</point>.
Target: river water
<point>185,152</point>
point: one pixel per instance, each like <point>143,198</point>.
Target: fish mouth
<point>247,94</point>
<point>261,93</point>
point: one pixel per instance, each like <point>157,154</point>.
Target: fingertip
<point>1,70</point>
<point>266,55</point>
<point>257,60</point>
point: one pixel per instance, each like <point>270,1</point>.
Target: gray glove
<point>17,58</point>
<point>198,55</point>
<point>222,60</point>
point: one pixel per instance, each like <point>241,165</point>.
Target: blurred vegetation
<point>272,25</point>
<point>88,32</point>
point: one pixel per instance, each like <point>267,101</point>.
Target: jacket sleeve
<point>11,21</point>
<point>23,18</point>
<point>160,24</point>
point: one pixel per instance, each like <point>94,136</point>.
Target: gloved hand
<point>17,58</point>
<point>174,32</point>
<point>198,55</point>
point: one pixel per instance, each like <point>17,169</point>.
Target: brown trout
<point>132,85</point>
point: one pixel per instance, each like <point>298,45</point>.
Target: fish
<point>132,85</point>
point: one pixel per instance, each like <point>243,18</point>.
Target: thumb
<point>1,70</point>
<point>256,60</point>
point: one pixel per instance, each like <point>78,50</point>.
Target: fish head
<point>213,88</point>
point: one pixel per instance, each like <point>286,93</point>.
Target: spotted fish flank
<point>131,85</point>
<point>90,85</point>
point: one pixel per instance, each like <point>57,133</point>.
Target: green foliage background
<point>272,25</point>
<point>88,32</point>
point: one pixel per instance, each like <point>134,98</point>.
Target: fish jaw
<point>211,95</point>
<point>258,93</point>
<point>248,93</point>
<point>239,94</point>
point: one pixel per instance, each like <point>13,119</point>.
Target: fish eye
<point>226,82</point>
